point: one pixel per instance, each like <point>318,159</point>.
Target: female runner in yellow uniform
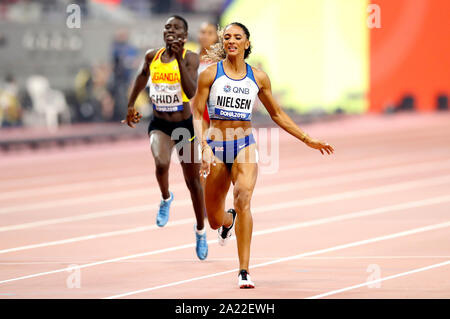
<point>173,74</point>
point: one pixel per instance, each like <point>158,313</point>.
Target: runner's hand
<point>177,47</point>
<point>208,158</point>
<point>132,117</point>
<point>321,146</point>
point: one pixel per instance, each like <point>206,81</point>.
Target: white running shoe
<point>224,233</point>
<point>244,280</point>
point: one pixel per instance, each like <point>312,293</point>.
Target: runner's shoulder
<point>261,77</point>
<point>209,73</point>
<point>259,74</point>
<point>150,54</point>
<point>192,54</point>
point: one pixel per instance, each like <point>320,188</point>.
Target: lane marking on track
<point>294,257</point>
<point>66,178</point>
<point>406,273</point>
<point>368,212</point>
<point>320,221</point>
<point>140,148</point>
<point>126,181</point>
<point>96,236</point>
<point>220,259</point>
<point>78,154</point>
<point>261,190</point>
<point>303,202</point>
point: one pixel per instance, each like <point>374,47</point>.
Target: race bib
<point>233,107</point>
<point>166,97</point>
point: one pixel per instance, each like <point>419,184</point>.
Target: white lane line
<point>219,259</point>
<point>354,194</point>
<point>30,183</point>
<point>105,153</point>
<point>97,236</point>
<point>135,261</point>
<point>73,154</point>
<point>387,172</point>
<point>142,148</point>
<point>74,187</point>
<point>354,163</point>
<point>154,252</point>
<point>256,233</point>
<point>54,221</point>
<point>368,212</point>
<point>380,257</point>
<point>354,177</point>
<point>311,253</point>
<point>36,180</point>
<point>363,213</point>
<point>125,181</point>
<point>445,263</point>
<point>84,200</point>
<point>262,190</point>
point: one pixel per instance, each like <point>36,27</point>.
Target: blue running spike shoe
<point>202,245</point>
<point>163,214</point>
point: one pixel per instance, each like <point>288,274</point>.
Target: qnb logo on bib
<point>227,88</point>
<point>240,90</point>
<point>236,89</point>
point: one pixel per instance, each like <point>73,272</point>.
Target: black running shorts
<point>178,131</point>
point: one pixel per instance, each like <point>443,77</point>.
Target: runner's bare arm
<point>205,80</point>
<point>281,118</point>
<point>189,72</point>
<point>142,78</point>
<point>188,67</point>
<point>139,84</point>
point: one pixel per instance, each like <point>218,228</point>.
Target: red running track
<point>371,221</point>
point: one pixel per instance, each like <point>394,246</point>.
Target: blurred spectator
<point>124,61</point>
<point>94,101</point>
<point>3,40</point>
<point>140,7</point>
<point>186,5</point>
<point>161,6</point>
<point>207,36</point>
<point>87,108</point>
<point>25,11</point>
<point>100,76</point>
<point>49,105</point>
<point>10,108</point>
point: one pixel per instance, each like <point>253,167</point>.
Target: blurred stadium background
<point>325,59</point>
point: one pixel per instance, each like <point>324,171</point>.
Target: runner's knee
<point>242,197</point>
<point>215,214</point>
<point>193,184</point>
<point>214,222</point>
<point>162,166</point>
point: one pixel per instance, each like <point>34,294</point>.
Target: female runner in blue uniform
<point>231,86</point>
